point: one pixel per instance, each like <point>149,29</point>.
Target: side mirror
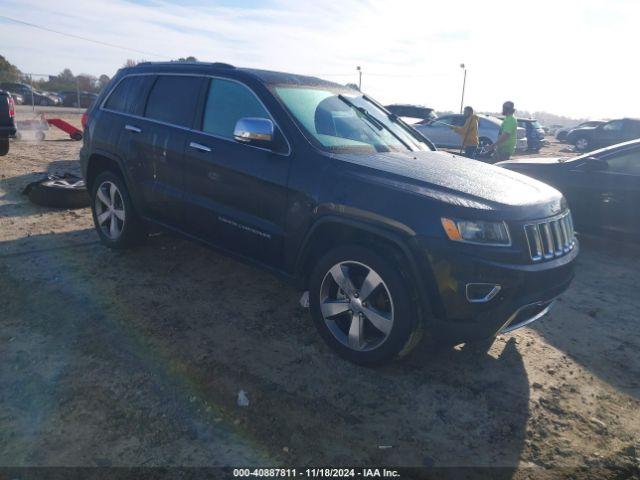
<point>593,164</point>
<point>254,131</point>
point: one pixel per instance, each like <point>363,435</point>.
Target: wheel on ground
<point>114,217</point>
<point>483,143</point>
<point>39,135</point>
<point>362,306</point>
<point>4,146</point>
<point>582,144</point>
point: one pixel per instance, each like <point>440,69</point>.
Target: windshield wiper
<point>418,136</point>
<point>373,120</point>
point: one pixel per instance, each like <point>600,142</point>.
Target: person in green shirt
<point>506,143</point>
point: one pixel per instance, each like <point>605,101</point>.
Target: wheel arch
<point>332,231</point>
<point>99,162</point>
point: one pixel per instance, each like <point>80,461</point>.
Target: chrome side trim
<point>507,327</point>
<point>133,129</point>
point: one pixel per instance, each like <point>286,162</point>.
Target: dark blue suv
<point>388,238</point>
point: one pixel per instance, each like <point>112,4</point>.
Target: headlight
<point>477,231</point>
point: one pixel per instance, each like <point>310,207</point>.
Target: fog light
<point>481,292</point>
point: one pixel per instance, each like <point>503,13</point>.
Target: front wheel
<point>483,144</point>
<point>362,307</point>
<point>114,217</point>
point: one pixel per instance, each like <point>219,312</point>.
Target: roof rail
<point>173,62</point>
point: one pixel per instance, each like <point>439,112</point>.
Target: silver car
<point>440,133</point>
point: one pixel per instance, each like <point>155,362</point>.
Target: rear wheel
<point>4,146</point>
<point>361,306</point>
<point>114,218</point>
<point>582,144</point>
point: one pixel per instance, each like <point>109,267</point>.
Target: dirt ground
<point>136,358</point>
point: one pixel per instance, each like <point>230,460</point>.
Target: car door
<point>236,193</point>
<point>620,194</point>
<point>608,134</point>
<point>439,132</point>
<point>605,194</point>
<point>158,145</point>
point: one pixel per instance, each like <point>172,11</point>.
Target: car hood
<point>463,183</point>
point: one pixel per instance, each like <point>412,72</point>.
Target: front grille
<point>550,238</point>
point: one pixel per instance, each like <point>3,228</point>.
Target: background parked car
<point>535,133</point>
<point>70,98</point>
<point>609,133</point>
<point>561,134</point>
<point>27,93</point>
<point>424,114</point>
<point>439,132</point>
<point>7,121</point>
<point>602,187</point>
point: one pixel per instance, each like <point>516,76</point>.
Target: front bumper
<point>526,293</point>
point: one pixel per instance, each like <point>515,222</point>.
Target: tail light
<point>12,107</point>
<point>84,120</point>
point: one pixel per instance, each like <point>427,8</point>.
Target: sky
<point>569,57</point>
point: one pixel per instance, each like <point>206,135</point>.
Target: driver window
<point>626,162</point>
<point>228,102</point>
<point>613,126</point>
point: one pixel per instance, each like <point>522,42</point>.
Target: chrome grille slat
<point>550,238</point>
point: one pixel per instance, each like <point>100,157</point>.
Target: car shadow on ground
<point>137,357</point>
<point>596,324</point>
<point>11,188</point>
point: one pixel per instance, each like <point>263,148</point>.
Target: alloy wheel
<point>110,212</point>
<point>582,144</point>
<point>356,305</point>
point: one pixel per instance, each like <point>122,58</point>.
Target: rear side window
<point>173,99</point>
<point>129,95</point>
<point>228,102</point>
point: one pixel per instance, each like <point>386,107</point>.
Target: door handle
<point>199,146</point>
<point>132,128</point>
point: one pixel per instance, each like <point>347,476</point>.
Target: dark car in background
<point>322,185</point>
<point>608,133</point>
<point>535,133</point>
<point>418,112</point>
<point>30,94</point>
<point>7,121</point>
<point>602,187</point>
<point>73,98</point>
<point>561,134</point>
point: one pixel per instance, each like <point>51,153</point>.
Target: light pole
<point>464,82</point>
<point>359,77</point>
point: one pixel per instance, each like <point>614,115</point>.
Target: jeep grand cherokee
<point>319,183</point>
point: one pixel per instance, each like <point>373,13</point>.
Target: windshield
<point>346,122</point>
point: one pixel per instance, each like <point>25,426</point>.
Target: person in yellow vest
<point>469,133</point>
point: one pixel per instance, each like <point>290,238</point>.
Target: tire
<point>77,136</point>
<point>128,229</point>
<point>582,144</point>
<point>39,135</point>
<point>345,316</point>
<point>4,146</point>
<point>59,193</point>
<point>482,143</point>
